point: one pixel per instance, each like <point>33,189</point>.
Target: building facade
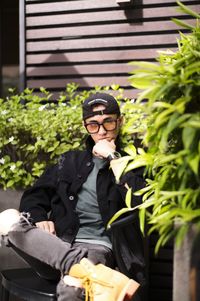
<point>91,42</point>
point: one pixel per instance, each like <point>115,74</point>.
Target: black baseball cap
<point>110,103</point>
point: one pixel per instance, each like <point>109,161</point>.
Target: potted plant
<point>171,101</point>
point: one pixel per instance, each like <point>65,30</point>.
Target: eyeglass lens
<point>108,125</point>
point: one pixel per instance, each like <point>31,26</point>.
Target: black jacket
<point>56,192</point>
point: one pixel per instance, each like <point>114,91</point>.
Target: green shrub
<point>35,131</point>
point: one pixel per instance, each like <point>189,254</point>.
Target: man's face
<point>106,121</point>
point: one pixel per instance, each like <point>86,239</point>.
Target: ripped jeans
<point>51,257</point>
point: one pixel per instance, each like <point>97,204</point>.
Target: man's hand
<point>47,226</point>
<point>103,148</point>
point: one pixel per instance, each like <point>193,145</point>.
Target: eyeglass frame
<point>102,123</point>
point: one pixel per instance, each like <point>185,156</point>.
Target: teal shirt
<point>91,229</point>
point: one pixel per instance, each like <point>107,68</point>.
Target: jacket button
<point>79,176</point>
<point>88,164</point>
<point>71,197</point>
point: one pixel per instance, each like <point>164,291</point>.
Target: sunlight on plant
<point>35,131</point>
<point>171,90</point>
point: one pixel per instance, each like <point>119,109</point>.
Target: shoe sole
<point>128,291</point>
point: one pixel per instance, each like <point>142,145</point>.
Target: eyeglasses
<point>94,126</point>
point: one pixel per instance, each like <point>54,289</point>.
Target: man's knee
<point>69,293</point>
<point>8,218</point>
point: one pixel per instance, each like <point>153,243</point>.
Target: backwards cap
<point>110,103</point>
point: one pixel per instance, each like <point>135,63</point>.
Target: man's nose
<point>102,130</point>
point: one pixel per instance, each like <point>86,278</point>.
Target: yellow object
<point>102,283</point>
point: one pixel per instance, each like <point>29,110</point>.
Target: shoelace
<point>87,284</point>
<point>26,217</point>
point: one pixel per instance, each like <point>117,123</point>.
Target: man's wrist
<point>113,155</point>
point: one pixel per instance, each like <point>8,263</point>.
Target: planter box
<point>8,258</point>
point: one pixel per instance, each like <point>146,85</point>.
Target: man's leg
<point>42,251</point>
<point>98,253</point>
<point>38,243</point>
<point>100,282</point>
<point>42,269</point>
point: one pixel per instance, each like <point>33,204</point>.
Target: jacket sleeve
<point>37,199</point>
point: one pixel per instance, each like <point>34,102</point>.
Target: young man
<point>70,206</point>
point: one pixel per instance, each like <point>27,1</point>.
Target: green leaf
<point>188,11</point>
<point>30,148</point>
<point>180,234</point>
<point>193,161</point>
<point>142,215</point>
<point>115,87</point>
<point>10,183</point>
<point>147,93</point>
<point>118,214</point>
<point>141,81</point>
<point>163,117</point>
<point>182,24</point>
<point>163,239</point>
<point>52,148</point>
<point>130,150</point>
<point>146,65</point>
<point>144,190</point>
<point>192,123</point>
<point>128,198</point>
<point>188,135</point>
<point>121,165</point>
<point>139,161</point>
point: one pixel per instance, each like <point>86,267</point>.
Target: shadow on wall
<point>54,71</point>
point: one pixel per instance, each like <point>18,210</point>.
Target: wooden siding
<point>91,42</point>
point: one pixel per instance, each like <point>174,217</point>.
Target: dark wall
<point>10,32</point>
<point>9,44</point>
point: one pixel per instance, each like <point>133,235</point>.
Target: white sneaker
<point>8,218</point>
